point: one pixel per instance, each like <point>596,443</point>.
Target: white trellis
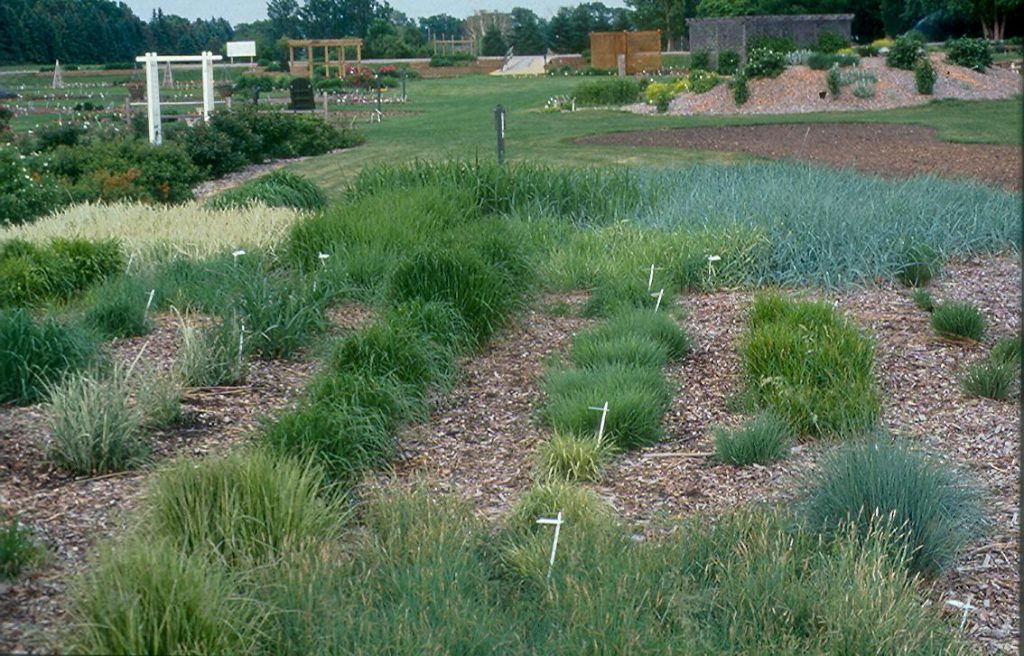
<point>152,62</point>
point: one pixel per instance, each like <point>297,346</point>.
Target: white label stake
<point>145,312</point>
<point>604,415</point>
<point>658,296</point>
<point>557,521</point>
<point>711,265</point>
<point>650,278</point>
<point>236,254</point>
<point>323,258</point>
<point>241,342</point>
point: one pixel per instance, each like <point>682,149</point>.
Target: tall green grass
<point>277,189</point>
<point>118,307</point>
<point>833,228</point>
<point>811,366</point>
<point>36,354</point>
<point>18,549</point>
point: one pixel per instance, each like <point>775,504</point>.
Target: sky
<point>244,11</point>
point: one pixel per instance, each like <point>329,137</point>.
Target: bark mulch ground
<point>863,146</point>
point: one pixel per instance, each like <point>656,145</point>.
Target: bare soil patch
<point>884,149</point>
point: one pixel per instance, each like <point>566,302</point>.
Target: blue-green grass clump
<point>811,366</point>
<point>884,485</point>
<point>36,354</point>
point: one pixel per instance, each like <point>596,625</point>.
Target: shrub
<point>829,42</point>
<point>612,91</point>
<point>212,150</point>
<point>970,53</point>
<point>244,510</point>
<point>867,50</point>
<point>212,356</point>
<point>959,321</point>
<point>96,429</point>
<point>145,596</point>
<point>592,350</point>
<point>762,440</point>
<point>17,549</point>
<point>924,76</point>
<point>822,62</point>
<point>832,80</point>
<point>277,189</point>
<point>482,294</point>
<point>117,308</point>
<point>728,62</point>
<point>810,366</point>
<point>573,458</point>
<point>35,355</point>
<point>923,300</point>
<point>700,61</point>
<point>740,90</point>
<point>452,59</point>
<point>904,54</point>
<point>990,379</point>
<point>342,438</point>
<point>919,264</point>
<point>764,63</point>
<point>702,81</point>
<point>637,399</point>
<point>783,44</point>
<point>24,195</point>
<point>881,485</point>
<point>661,94</point>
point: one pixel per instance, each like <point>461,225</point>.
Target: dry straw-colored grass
<point>190,228</point>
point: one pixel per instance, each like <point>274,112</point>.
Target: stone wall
<point>713,35</point>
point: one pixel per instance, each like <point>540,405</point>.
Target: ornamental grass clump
<point>923,300</point>
<point>246,509</point>
<point>573,458</point>
<point>277,189</point>
<point>811,366</point>
<point>591,350</point>
<point>18,550</point>
<point>637,398</point>
<point>213,355</point>
<point>35,355</point>
<point>119,308</point>
<point>762,440</point>
<point>959,320</point>
<point>656,326</point>
<point>879,484</point>
<point>990,379</point>
<point>96,429</point>
<point>918,265</point>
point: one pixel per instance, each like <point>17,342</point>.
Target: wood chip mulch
<point>480,441</point>
<point>71,514</point>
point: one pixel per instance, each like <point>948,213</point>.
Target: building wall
<point>713,35</point>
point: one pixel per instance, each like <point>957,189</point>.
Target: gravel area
<point>799,90</point>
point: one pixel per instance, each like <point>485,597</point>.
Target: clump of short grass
<point>959,320</point>
<point>158,398</point>
<point>989,379</point>
<point>762,440</point>
<point>18,550</point>
<point>1007,351</point>
<point>437,320</point>
<point>923,300</point>
<point>614,295</point>
<point>637,399</point>
<point>277,189</point>
<point>95,427</point>
<point>885,485</point>
<point>592,350</point>
<point>919,264</point>
<point>212,355</point>
<point>657,326</point>
<point>244,509</point>
<point>147,597</point>
<point>809,365</point>
<point>382,395</point>
<point>573,458</point>
<point>580,507</point>
<point>36,354</point>
<point>118,308</point>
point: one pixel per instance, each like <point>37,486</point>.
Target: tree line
<point>103,31</point>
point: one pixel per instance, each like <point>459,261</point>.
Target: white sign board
<point>241,48</point>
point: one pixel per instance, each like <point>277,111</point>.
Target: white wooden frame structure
<point>152,62</point>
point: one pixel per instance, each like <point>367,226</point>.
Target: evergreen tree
<point>493,43</point>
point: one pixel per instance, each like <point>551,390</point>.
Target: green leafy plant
<point>782,44</point>
<point>612,91</point>
<point>702,81</point>
<point>762,440</point>
<point>924,76</point>
<point>728,62</point>
<point>959,320</point>
<point>763,62</point>
<point>880,484</point>
<point>740,89</point>
<point>700,61</point>
<point>37,354</point>
<point>970,53</point>
<point>904,54</point>
<point>1007,350</point>
<point>573,458</point>
<point>832,79</point>
<point>212,355</point>
<point>811,366</point>
<point>95,427</point>
<point>829,42</point>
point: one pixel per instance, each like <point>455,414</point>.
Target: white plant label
<point>659,295</point>
<point>557,522</point>
<point>711,264</point>
<point>323,257</point>
<point>604,415</point>
<point>149,304</point>
<point>650,277</point>
<point>237,254</point>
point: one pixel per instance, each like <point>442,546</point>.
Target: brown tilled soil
<point>883,149</point>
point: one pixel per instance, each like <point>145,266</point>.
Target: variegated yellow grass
<point>190,229</point>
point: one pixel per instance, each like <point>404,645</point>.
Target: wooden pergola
<point>300,67</point>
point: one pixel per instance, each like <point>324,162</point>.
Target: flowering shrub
<point>765,63</point>
<point>660,94</point>
<point>359,76</point>
<point>24,194</point>
<point>560,104</point>
<point>703,81</point>
<point>388,70</point>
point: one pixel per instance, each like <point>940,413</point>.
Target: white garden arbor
<point>152,62</point>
